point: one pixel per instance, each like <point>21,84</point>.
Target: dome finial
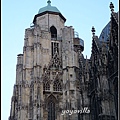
<point>49,2</point>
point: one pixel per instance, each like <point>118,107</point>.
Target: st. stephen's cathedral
<point>52,74</point>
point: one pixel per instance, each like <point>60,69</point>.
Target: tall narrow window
<point>54,48</point>
<point>54,43</point>
<point>51,110</point>
<point>53,31</point>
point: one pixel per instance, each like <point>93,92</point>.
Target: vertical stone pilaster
<point>38,54</point>
<point>35,54</point>
<point>42,99</point>
<point>19,68</point>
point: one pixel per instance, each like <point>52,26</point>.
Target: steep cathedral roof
<point>105,33</point>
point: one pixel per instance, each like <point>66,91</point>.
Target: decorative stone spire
<point>49,2</point>
<point>111,6</point>
<point>86,65</point>
<point>93,30</point>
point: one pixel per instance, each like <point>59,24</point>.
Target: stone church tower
<point>49,75</point>
<point>53,79</point>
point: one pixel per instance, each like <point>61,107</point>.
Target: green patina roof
<point>48,8</point>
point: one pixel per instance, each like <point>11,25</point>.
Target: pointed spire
<point>86,63</point>
<point>111,6</point>
<point>93,30</point>
<point>87,69</point>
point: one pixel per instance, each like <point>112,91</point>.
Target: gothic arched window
<point>51,105</point>
<point>57,86</point>
<point>51,110</point>
<point>46,86</point>
<point>53,31</point>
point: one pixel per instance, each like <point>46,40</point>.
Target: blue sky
<point>18,15</point>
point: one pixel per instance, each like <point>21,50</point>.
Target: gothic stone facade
<point>52,74</point>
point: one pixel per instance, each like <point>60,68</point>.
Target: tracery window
<point>54,48</point>
<point>54,43</point>
<point>57,86</point>
<point>46,86</point>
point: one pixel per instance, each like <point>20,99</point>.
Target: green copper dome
<point>48,8</point>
